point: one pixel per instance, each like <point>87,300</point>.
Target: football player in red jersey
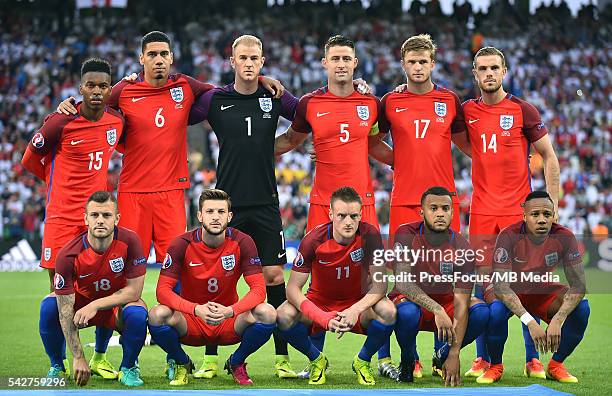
<point>532,249</point>
<point>209,261</point>
<point>99,277</point>
<point>436,252</point>
<point>154,173</point>
<point>346,292</point>
<point>501,129</point>
<point>344,125</point>
<point>71,154</point>
<point>423,119</point>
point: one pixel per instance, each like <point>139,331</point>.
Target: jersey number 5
<point>344,133</point>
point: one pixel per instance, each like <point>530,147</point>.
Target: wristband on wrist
<point>526,318</point>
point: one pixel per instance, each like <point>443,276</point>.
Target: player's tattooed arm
<point>65,305</point>
<point>412,290</point>
<point>505,294</point>
<point>577,288</point>
<point>545,148</point>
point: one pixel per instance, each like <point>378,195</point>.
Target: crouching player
<point>98,281</point>
<point>209,261</point>
<point>428,302</point>
<point>535,247</point>
<point>338,257</point>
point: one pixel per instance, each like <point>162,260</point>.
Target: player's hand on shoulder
<point>401,88</point>
<point>131,77</point>
<point>362,86</point>
<point>451,370</point>
<point>274,86</point>
<point>81,370</point>
<point>538,335</point>
<point>67,106</point>
<point>444,324</point>
<point>84,315</point>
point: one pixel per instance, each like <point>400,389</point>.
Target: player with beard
<point>502,128</point>
<point>209,262</point>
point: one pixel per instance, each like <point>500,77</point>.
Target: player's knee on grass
<point>385,312</point>
<point>264,313</point>
<point>273,275</point>
<point>286,316</point>
<point>160,315</point>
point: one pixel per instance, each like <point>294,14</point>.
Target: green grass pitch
<point>23,354</point>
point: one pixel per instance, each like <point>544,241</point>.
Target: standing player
<point>345,293</point>
<point>501,130</point>
<point>244,116</point>
<point>209,261</point>
<point>154,173</point>
<point>430,304</point>
<point>344,126</point>
<point>423,121</point>
<point>71,154</point>
<point>98,281</point>
<point>536,246</point>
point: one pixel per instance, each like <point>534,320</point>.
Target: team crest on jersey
<point>357,255</point>
<point>506,121</point>
<point>446,268</point>
<point>47,254</point>
<point>298,261</point>
<point>363,112</point>
<point>265,104</point>
<point>111,136</point>
<point>167,261</point>
<point>38,140</point>
<point>116,265</point>
<point>228,262</point>
<point>501,255</point>
<point>551,259</point>
<point>58,281</point>
<point>440,109</point>
<point>177,94</point>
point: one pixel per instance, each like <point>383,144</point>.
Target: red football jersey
<point>155,146</point>
<point>340,128</point>
<point>339,273</point>
<point>516,252</point>
<point>77,152</point>
<point>500,136</point>
<point>446,259</point>
<point>421,128</point>
<point>211,274</point>
<point>92,275</point>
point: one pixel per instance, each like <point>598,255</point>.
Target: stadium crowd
<point>557,62</point>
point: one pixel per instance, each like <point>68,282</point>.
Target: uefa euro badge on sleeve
<point>228,262</point>
<point>177,94</point>
<point>116,265</point>
<point>506,121</point>
<point>440,109</point>
<point>363,112</point>
<point>111,136</point>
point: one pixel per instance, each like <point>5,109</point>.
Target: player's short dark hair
<point>101,197</point>
<point>213,194</point>
<point>488,51</point>
<point>538,194</point>
<point>338,41</point>
<point>345,194</point>
<point>438,191</point>
<point>95,65</point>
<point>154,37</point>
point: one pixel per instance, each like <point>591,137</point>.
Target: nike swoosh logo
<point>85,276</point>
<point>226,107</point>
<point>399,110</point>
<point>322,114</point>
<point>73,142</point>
<point>281,254</point>
<point>324,262</point>
<point>192,264</point>
<point>520,261</point>
<point>137,99</point>
<point>473,121</point>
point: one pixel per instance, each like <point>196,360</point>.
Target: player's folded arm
<point>255,296</point>
<point>167,296</point>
